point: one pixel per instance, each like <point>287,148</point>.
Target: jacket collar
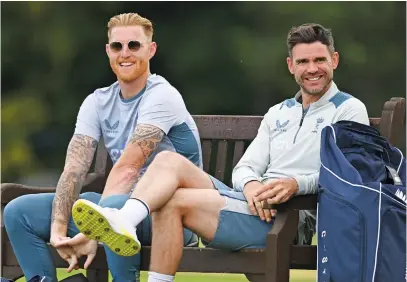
<point>333,89</point>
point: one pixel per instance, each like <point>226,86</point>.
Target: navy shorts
<point>238,228</point>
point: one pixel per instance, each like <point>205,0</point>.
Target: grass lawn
<point>296,276</point>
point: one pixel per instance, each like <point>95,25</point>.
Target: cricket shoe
<point>106,225</point>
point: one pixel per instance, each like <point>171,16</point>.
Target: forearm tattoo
<point>81,150</point>
<point>147,137</point>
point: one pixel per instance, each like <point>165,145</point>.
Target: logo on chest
<point>280,126</point>
<point>115,154</point>
<point>111,128</point>
<point>317,124</point>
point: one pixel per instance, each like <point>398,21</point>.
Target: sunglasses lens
<point>134,45</point>
<point>116,46</point>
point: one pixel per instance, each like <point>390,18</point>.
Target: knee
<point>13,212</point>
<point>178,204</point>
<point>168,160</point>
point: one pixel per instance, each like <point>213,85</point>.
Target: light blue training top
<point>104,113</point>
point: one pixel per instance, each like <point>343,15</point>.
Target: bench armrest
<point>303,202</point>
<point>10,191</point>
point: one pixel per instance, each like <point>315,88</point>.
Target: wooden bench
<point>224,140</point>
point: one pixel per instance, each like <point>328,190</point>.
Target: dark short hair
<point>310,33</point>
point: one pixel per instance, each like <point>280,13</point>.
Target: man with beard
<point>281,162</point>
<point>138,116</point>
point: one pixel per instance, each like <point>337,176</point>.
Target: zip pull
<point>302,119</point>
<point>304,112</point>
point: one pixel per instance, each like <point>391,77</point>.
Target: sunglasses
<point>133,46</point>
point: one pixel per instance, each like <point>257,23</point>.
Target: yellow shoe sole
<point>95,226</point>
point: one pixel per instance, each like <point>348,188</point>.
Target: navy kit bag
<point>361,213</point>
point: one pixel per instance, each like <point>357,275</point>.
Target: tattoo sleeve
<point>79,157</point>
<point>143,141</point>
<point>147,137</point>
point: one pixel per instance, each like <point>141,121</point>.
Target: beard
<point>315,91</point>
<point>133,72</point>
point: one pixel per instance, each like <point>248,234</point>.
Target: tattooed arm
<point>125,172</point>
<point>79,157</point>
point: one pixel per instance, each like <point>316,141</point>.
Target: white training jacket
<point>287,144</point>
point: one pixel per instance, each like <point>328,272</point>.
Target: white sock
<point>158,277</point>
<point>135,211</point>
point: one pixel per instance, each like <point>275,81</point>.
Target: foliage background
<point>224,58</point>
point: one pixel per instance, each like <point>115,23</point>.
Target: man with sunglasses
<point>138,116</point>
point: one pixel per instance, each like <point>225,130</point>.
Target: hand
<point>278,191</point>
<point>65,252</point>
<point>252,189</point>
<point>82,246</point>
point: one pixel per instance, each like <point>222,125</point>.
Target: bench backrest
<point>225,138</point>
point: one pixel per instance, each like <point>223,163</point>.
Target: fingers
<point>65,252</point>
<point>277,199</point>
<point>89,260</point>
<point>267,194</point>
<point>78,239</point>
<point>260,210</point>
<point>73,262</point>
<point>266,187</point>
<point>267,214</point>
<point>263,189</point>
<point>252,207</point>
<point>272,190</point>
<point>57,239</point>
<point>286,198</point>
<point>62,243</point>
<point>273,213</point>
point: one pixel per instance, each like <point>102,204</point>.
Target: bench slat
<point>221,159</point>
<point>228,127</point>
<point>238,152</point>
<point>206,153</point>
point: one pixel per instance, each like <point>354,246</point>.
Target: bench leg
<point>256,277</point>
<point>97,275</point>
<point>278,246</point>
